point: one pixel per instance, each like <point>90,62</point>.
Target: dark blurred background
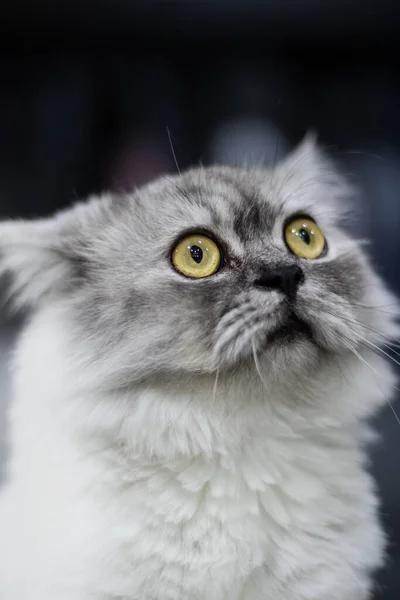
<point>89,91</point>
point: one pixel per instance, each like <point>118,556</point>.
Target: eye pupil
<point>305,236</point>
<point>196,253</point>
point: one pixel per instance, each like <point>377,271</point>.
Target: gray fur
<point>107,263</point>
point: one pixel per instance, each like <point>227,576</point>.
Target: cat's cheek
<point>330,338</point>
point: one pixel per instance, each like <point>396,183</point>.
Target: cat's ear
<point>44,257</point>
<point>306,156</point>
<point>310,172</point>
<point>32,255</point>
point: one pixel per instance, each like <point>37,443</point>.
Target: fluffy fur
<point>178,439</point>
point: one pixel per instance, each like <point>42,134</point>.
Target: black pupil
<point>196,253</point>
<point>305,236</point>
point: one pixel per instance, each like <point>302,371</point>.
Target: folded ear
<point>44,257</point>
<point>306,157</point>
<point>311,171</point>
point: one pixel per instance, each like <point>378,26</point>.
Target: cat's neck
<point>190,415</point>
<point>207,416</point>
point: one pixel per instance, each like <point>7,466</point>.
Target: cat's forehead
<point>234,199</point>
<point>245,203</point>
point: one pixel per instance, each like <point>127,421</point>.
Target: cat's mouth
<point>240,338</point>
<point>291,328</point>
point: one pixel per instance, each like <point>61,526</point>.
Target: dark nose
<point>285,278</point>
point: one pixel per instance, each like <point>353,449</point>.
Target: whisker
<point>173,151</point>
<point>374,372</point>
<point>182,191</point>
<point>379,310</point>
<point>391,348</point>
<point>387,343</point>
<point>364,341</point>
<point>257,364</point>
<point>373,307</point>
<point>215,385</point>
<point>372,345</point>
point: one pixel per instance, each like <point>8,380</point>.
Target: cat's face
<point>214,269</point>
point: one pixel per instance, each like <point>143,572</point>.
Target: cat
<point>191,392</point>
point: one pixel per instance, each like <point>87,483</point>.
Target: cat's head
<point>213,269</point>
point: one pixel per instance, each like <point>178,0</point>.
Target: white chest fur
<point>237,527</point>
<point>158,497</point>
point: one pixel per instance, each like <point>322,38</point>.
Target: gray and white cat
<point>190,393</point>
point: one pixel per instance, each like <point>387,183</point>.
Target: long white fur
<point>199,489</point>
<point>285,512</point>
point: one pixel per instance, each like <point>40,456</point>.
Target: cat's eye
<point>196,256</point>
<point>304,238</point>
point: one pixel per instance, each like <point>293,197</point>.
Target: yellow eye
<point>196,256</point>
<point>304,238</point>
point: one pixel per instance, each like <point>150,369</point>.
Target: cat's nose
<point>285,278</point>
